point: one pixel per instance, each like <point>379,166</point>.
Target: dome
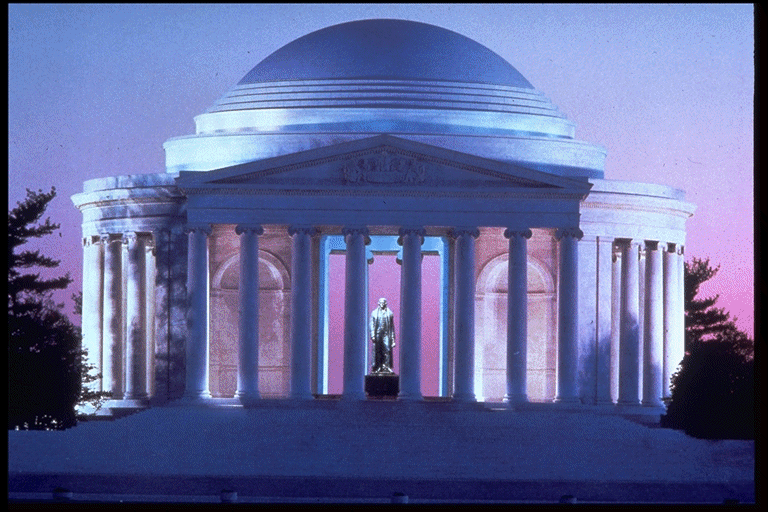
<point>386,49</point>
<point>370,77</point>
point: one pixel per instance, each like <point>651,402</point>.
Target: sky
<point>667,90</point>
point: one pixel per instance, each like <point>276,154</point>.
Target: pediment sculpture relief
<point>384,169</point>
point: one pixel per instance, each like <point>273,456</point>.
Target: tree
<point>45,359</point>
<point>713,390</point>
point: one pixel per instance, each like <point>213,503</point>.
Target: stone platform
<point>439,451</point>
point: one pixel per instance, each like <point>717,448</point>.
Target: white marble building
<point>210,281</point>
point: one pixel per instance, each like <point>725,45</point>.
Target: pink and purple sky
<point>95,90</point>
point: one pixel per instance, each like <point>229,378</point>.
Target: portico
<point>228,197</point>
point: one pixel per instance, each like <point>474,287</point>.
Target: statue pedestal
<point>381,385</point>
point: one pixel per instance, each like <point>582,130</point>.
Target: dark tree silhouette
<point>45,359</point>
<point>713,390</point>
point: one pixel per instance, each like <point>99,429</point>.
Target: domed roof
<point>386,49</point>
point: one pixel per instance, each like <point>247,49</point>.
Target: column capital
<point>625,242</point>
<point>655,245</point>
<point>517,233</point>
<point>255,228</point>
<point>303,230</point>
<point>131,237</point>
<point>458,232</point>
<point>204,227</point>
<point>90,240</point>
<point>680,249</point>
<point>356,230</point>
<point>571,232</point>
<point>405,231</point>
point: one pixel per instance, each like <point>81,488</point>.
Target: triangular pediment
<point>381,162</point>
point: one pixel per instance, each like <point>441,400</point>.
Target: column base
<point>516,399</point>
<point>247,398</point>
<point>302,396</point>
<point>193,398</point>
<point>464,397</point>
<point>570,400</point>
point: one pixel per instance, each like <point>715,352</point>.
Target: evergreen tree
<point>713,389</point>
<point>45,359</point>
<point>702,319</point>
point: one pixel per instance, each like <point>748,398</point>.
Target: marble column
<point>678,347</point>
<point>517,316</point>
<point>112,330</point>
<point>93,304</point>
<point>671,290</point>
<point>629,342</point>
<point>464,313</point>
<point>248,319</point>
<point>355,313</point>
<point>198,292</point>
<point>653,333</point>
<point>568,304</point>
<point>301,312</point>
<point>615,320</point>
<point>135,318</point>
<point>410,313</point>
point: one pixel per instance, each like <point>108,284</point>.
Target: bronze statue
<point>383,337</point>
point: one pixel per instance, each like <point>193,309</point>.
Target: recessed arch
<point>491,330</point>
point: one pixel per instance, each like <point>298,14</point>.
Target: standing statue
<point>383,337</point>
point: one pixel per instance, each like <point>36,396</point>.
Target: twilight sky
<point>95,90</point>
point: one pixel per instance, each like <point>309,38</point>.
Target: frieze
<point>384,168</point>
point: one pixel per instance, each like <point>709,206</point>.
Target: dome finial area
<point>387,49</point>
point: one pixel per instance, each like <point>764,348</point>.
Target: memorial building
<point>210,282</point>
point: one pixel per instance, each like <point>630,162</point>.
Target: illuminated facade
<point>210,282</point>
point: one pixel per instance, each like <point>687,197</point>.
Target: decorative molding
<point>572,232</point>
<point>303,230</point>
<point>242,228</point>
<point>463,231</point>
<point>356,231</point>
<point>524,233</point>
<point>415,231</point>
<point>205,228</point>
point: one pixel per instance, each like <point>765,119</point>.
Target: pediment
<point>384,163</point>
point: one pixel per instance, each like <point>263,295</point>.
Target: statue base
<point>382,385</point>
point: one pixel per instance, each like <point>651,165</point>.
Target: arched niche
<point>491,330</point>
<point>274,311</point>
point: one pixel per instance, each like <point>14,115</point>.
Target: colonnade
<point>118,319</point>
<point>355,313</point>
<point>647,356</point>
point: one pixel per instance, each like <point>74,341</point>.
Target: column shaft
<point>135,319</point>
<point>198,282</point>
<point>630,342</point>
<point>464,311</point>
<point>112,344</point>
<point>301,313</point>
<point>248,320</point>
<point>568,303</point>
<point>616,287</point>
<point>93,305</point>
<point>355,302</point>
<point>517,317</point>
<point>653,333</point>
<point>410,314</point>
<point>670,317</point>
